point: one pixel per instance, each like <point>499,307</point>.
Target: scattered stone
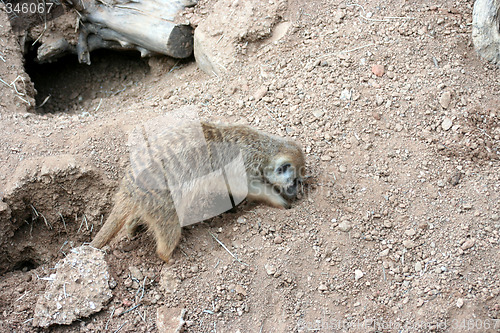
<point>446,123</point>
<point>170,320</point>
<point>260,92</point>
<point>376,115</point>
<point>410,232</point>
<point>128,283</point>
<point>342,168</point>
<point>78,288</point>
<point>440,183</point>
<point>278,240</point>
<point>338,16</point>
<point>445,99</point>
<point>378,70</point>
<point>418,266</point>
<point>468,244</point>
<point>409,244</point>
<point>326,157</point>
<point>467,206</point>
<point>113,284</point>
<point>346,94</point>
<point>318,113</point>
<point>135,273</point>
<point>455,179</point>
<point>358,274</point>
<point>495,217</point>
<point>240,290</point>
<point>270,269</point>
<point>127,303</point>
<point>241,220</point>
<point>168,281</point>
<point>387,224</point>
<point>379,100</point>
<point>398,127</point>
<point>118,312</point>
<point>344,226</point>
<point>384,253</point>
<point>322,287</point>
<point>460,303</point>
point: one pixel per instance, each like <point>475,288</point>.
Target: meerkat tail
<point>121,213</point>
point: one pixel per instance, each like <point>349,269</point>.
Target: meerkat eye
<point>282,169</point>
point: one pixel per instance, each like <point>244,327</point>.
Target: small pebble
<point>136,273</point>
<point>446,123</point>
<point>358,274</point>
<point>318,113</point>
<point>455,179</point>
<point>260,93</point>
<point>445,99</point>
<point>384,253</point>
<point>270,269</point>
<point>460,303</point>
<point>344,226</point>
<point>338,16</point>
<point>378,70</point>
<point>409,244</point>
<point>468,244</point>
<point>278,240</point>
<point>240,290</point>
<point>410,232</point>
<point>342,168</point>
<point>418,266</point>
<point>118,312</point>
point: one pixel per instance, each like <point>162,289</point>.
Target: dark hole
<point>68,86</point>
<point>25,265</point>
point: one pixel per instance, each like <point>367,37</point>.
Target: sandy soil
<point>399,228</point>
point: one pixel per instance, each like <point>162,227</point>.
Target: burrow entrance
<point>45,216</point>
<point>68,86</point>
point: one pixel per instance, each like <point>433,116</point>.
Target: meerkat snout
<point>287,173</point>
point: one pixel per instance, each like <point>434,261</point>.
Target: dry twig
<point>225,248</point>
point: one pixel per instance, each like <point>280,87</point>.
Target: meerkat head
<point>286,170</point>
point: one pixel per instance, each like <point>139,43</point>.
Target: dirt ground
<point>398,230</point>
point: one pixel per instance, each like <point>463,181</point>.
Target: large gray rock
<point>78,288</point>
<point>486,29</point>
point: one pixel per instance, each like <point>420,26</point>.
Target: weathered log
<point>144,25</point>
<point>486,29</point>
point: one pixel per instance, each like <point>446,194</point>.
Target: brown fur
<point>136,203</point>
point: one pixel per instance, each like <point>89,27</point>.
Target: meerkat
<point>272,172</point>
